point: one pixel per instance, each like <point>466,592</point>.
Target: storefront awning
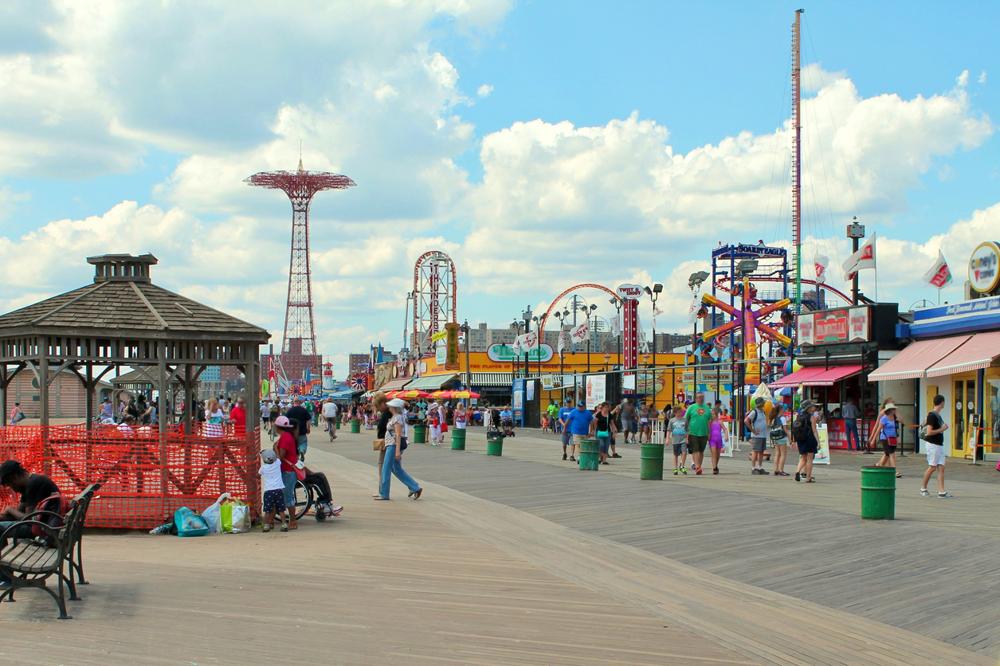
<point>395,384</point>
<point>913,361</point>
<point>799,377</point>
<point>492,380</point>
<point>978,352</point>
<point>818,376</point>
<point>432,383</point>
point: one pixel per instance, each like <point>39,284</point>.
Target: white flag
<point>616,326</point>
<point>530,341</point>
<point>516,347</point>
<point>863,258</point>
<point>821,261</point>
<point>581,332</point>
<point>564,340</point>
<point>939,274</point>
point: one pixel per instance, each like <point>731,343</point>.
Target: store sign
<point>596,390</point>
<point>984,267</point>
<point>835,326</point>
<point>501,353</point>
<point>440,353</point>
<point>451,346</point>
<point>629,292</point>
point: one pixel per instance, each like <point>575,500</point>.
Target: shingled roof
<point>123,300</point>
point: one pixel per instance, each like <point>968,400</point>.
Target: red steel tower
<point>299,343</point>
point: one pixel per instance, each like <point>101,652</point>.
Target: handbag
<point>378,444</point>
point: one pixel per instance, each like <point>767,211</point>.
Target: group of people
<point>635,421</point>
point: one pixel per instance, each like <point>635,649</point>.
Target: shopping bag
<point>234,517</point>
<point>212,514</point>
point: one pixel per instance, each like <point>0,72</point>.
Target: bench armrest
<point>50,532</point>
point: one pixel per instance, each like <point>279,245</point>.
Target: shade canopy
<point>913,361</point>
<point>431,383</point>
<point>818,376</point>
<point>976,353</point>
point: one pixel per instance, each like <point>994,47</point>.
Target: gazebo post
<point>88,387</point>
<point>161,353</point>
<point>188,398</point>
<point>4,381</point>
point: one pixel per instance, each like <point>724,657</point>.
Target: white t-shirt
<point>271,475</point>
<point>329,410</point>
<point>390,429</point>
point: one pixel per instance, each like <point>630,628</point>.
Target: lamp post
<point>855,232</point>
<point>589,310</point>
<point>618,317</point>
<point>654,294</point>
<point>468,368</point>
<point>515,359</point>
<point>695,281</point>
<point>562,389</point>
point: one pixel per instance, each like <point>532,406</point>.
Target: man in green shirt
<point>697,417</point>
<point>553,411</point>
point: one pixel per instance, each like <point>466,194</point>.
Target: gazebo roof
<point>142,376</point>
<point>123,301</point>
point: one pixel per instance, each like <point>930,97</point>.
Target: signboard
<point>501,353</point>
<point>441,353</point>
<point>451,346</point>
<point>596,390</point>
<point>984,267</point>
<point>628,292</point>
<point>835,326</point>
<point>822,456</point>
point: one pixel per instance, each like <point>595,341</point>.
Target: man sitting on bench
<point>37,492</point>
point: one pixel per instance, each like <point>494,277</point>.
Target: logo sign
<point>984,267</point>
<point>805,329</point>
<point>858,320</point>
<point>451,346</point>
<point>441,353</point>
<point>629,292</point>
<point>833,326</point>
<point>501,353</point>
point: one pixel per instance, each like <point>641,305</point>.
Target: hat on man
<point>268,456</point>
<point>283,422</point>
<point>398,403</point>
<point>10,468</point>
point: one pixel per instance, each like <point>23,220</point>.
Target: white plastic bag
<point>235,516</point>
<point>212,514</point>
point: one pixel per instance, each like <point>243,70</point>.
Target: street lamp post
<point>468,368</point>
<point>589,310</point>
<point>695,281</point>
<point>654,294</point>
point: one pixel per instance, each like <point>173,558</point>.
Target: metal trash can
<point>651,462</point>
<point>494,444</point>
<point>878,493</point>
<point>458,439</point>
<point>355,426</point>
<point>588,457</point>
<point>420,434</point>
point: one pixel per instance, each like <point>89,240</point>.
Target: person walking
<point>886,432</point>
<point>780,436</point>
<point>644,423</point>
<point>564,413</point>
<point>287,450</point>
<point>697,418</point>
<point>933,436</point>
<point>392,465</point>
<point>806,439</point>
<point>330,417</point>
<point>628,416</point>
<point>677,428</point>
<point>756,423</point>
<point>238,416</point>
<point>716,438</point>
<point>578,425</point>
<point>850,413</point>
<point>602,427</point>
<point>553,413</point>
<point>380,406</point>
<point>461,417</point>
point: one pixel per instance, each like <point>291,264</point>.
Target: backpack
<point>801,428</point>
<point>777,430</point>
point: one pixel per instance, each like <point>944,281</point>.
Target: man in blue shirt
<point>578,426</point>
<point>564,413</point>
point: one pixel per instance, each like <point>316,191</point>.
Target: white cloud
<point>982,77</point>
<point>485,90</point>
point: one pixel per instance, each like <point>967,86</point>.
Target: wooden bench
<point>56,551</point>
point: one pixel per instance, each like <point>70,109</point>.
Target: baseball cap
<point>10,468</point>
<point>282,422</point>
<point>268,456</point>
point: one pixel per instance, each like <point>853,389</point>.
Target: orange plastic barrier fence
<point>142,481</point>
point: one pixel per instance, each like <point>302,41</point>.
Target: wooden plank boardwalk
<point>923,574</point>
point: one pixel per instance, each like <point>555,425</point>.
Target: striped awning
<point>395,384</point>
<point>432,383</point>
<point>913,361</point>
<point>492,380</point>
<point>976,353</point>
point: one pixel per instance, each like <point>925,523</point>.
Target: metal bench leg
<point>60,598</point>
<point>78,563</point>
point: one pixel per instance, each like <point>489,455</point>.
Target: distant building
<point>357,363</point>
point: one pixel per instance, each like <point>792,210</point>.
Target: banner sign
<point>596,391</point>
<point>501,353</point>
<point>834,326</point>
<point>629,292</point>
<point>984,267</point>
<point>440,335</point>
<point>451,330</point>
<point>441,353</point>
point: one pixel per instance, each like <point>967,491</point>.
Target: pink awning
<point>834,375</point>
<point>978,352</point>
<point>799,377</point>
<point>913,361</point>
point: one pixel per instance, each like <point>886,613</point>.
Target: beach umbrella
<point>445,394</point>
<point>463,395</point>
<point>412,394</point>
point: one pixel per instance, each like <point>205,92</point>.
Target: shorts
<point>265,418</point>
<point>808,446</point>
<point>303,444</point>
<point>680,449</point>
<point>578,439</point>
<point>603,443</point>
<point>331,422</point>
<point>290,480</point>
<point>565,437</point>
<point>628,425</point>
<point>935,454</point>
<point>758,444</point>
<point>274,500</point>
<point>716,444</point>
<point>889,445</point>
<point>697,443</point>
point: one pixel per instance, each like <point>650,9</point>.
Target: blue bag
<point>189,523</point>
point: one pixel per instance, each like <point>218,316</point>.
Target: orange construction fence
<point>143,481</point>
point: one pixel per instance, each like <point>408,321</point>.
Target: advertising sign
<point>835,326</point>
<point>441,353</point>
<point>451,346</point>
<point>984,267</point>
<point>501,353</point>
<point>629,292</point>
<point>596,390</point>
<point>859,322</point>
<point>805,329</point>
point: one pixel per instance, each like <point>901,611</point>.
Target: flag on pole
<point>581,332</point>
<point>860,260</point>
<point>564,340</point>
<point>529,341</point>
<point>820,262</point>
<point>939,274</point>
<point>616,326</point>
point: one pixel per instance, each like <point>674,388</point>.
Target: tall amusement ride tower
<point>298,347</point>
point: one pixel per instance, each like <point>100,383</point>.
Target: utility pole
<point>797,157</point>
<point>855,232</point>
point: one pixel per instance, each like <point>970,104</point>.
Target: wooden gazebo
<point>123,319</point>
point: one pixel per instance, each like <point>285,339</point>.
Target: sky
<point>540,144</point>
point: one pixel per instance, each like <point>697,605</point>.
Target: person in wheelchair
<point>324,496</point>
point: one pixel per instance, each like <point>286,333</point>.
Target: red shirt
<point>286,444</point>
<point>238,415</point>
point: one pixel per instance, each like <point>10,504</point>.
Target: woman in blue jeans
<point>395,435</point>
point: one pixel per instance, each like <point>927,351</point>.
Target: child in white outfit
<point>274,499</point>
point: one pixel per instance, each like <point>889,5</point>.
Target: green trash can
<point>494,444</point>
<point>355,426</point>
<point>419,434</point>
<point>878,493</point>
<point>588,458</point>
<point>651,462</point>
<point>458,439</point>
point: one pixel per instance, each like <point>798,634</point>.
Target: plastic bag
<point>212,514</point>
<point>235,517</point>
<point>189,523</point>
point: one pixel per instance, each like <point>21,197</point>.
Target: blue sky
<point>540,143</point>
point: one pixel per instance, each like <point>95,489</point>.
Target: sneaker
<point>698,473</point>
<point>284,526</point>
<point>798,476</point>
<point>898,475</point>
<point>945,495</point>
<point>755,471</point>
<point>763,471</point>
<point>266,528</point>
<point>924,492</point>
<point>676,471</point>
<point>572,459</point>
<point>564,456</point>
<point>684,471</point>
<point>615,455</point>
<point>605,463</point>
